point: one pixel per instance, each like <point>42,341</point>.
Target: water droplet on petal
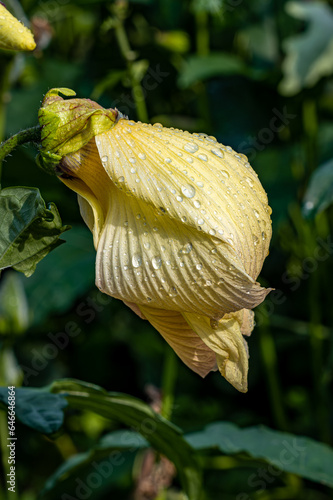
<point>201,221</point>
<point>191,147</point>
<point>256,213</point>
<point>255,239</point>
<point>183,219</point>
<point>142,156</point>
<point>186,249</point>
<point>188,191</point>
<point>197,204</point>
<point>214,324</point>
<point>156,262</point>
<point>121,179</point>
<point>212,232</point>
<point>136,260</point>
<point>104,158</point>
<point>217,152</point>
<point>146,245</point>
<point>132,160</point>
<point>198,267</point>
<point>202,157</point>
<point>179,198</point>
<point>225,173</point>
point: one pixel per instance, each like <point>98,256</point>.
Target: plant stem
<point>168,383</point>
<point>202,33</point>
<point>127,53</point>
<point>269,357</point>
<point>29,135</point>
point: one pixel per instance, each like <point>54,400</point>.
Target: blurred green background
<point>258,76</point>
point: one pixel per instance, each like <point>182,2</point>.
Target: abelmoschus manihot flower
<point>181,226</point>
<point>13,34</point>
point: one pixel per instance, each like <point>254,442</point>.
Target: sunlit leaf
<point>14,313</point>
<point>299,455</point>
<point>309,55</point>
<point>28,230</point>
<point>319,194</point>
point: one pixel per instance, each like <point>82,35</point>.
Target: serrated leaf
<point>198,68</point>
<point>290,453</point>
<point>28,230</point>
<point>319,194</point>
<point>161,434</point>
<point>309,55</point>
<point>37,408</point>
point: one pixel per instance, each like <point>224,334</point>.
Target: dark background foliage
<point>258,76</point>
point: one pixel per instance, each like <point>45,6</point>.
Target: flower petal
<point>187,344</point>
<point>226,340</point>
<point>195,180</point>
<point>13,34</point>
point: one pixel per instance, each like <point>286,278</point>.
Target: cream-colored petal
<point>226,340</point>
<point>83,173</point>
<point>196,181</point>
<point>186,344</point>
<point>148,258</point>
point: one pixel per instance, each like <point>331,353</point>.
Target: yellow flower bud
<point>13,34</point>
<point>181,226</point>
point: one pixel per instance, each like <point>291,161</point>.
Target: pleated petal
<point>194,180</point>
<point>228,343</point>
<point>186,344</point>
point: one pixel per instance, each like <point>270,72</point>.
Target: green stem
<point>4,436</point>
<point>202,34</point>
<point>269,357</point>
<point>168,383</point>
<point>29,135</point>
<point>310,125</point>
<point>127,53</point>
<point>317,361</point>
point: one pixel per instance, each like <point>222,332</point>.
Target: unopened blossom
<point>13,34</point>
<point>181,226</point>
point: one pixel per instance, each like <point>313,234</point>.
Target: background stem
<point>168,383</point>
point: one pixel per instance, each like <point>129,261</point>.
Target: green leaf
<point>37,408</point>
<point>161,434</point>
<point>309,55</point>
<point>14,311</point>
<point>28,230</point>
<point>63,277</point>
<point>319,194</point>
<point>198,68</point>
<point>299,455</point>
<point>114,441</point>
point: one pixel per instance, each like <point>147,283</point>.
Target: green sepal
<point>68,125</point>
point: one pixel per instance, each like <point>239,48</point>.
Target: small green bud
<point>68,125</point>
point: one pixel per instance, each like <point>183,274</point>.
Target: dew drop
<point>214,251</point>
<point>148,299</point>
<point>214,324</point>
<point>136,260</point>
<point>156,262</point>
<point>202,157</point>
<point>256,213</point>
<point>155,229</point>
<point>186,249</point>
<point>197,204</point>
<point>104,158</point>
<point>191,147</point>
<point>138,216</point>
<point>217,152</point>
<point>173,292</point>
<point>249,181</point>
<point>146,245</point>
<point>198,267</point>
<point>188,191</point>
<point>121,179</point>
<point>225,173</point>
<point>201,221</point>
<point>212,232</point>
<point>255,240</point>
<point>133,170</point>
<point>189,159</point>
<point>168,160</point>
<point>200,184</point>
<point>183,219</point>
<point>132,160</point>
<point>264,235</point>
<point>142,156</point>
<point>179,198</point>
